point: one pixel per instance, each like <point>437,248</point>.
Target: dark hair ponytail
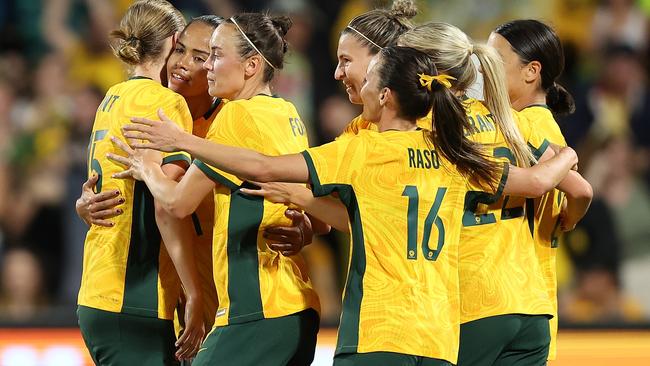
<point>399,71</point>
<point>533,40</point>
<point>559,100</point>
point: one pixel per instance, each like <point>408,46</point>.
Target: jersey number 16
<point>432,218</point>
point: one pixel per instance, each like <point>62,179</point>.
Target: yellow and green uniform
<point>499,271</point>
<point>359,124</point>
<point>544,214</point>
<point>254,282</point>
<point>125,267</point>
<point>203,221</point>
<point>405,205</point>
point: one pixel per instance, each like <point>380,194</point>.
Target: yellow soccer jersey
<point>203,220</point>
<point>358,124</point>
<point>125,267</point>
<point>544,214</point>
<point>405,204</point>
<point>499,272</point>
<point>254,282</point>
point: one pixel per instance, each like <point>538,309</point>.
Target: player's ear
<point>385,96</point>
<point>533,72</point>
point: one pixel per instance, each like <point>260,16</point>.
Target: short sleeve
<point>233,126</point>
<point>334,164</point>
<point>496,190</point>
<point>353,128</point>
<point>535,140</point>
<point>176,110</point>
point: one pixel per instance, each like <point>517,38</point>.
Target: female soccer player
<point>129,286</point>
<point>401,297</point>
<point>533,60</point>
<point>501,283</point>
<point>261,292</point>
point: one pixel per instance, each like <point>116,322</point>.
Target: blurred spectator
<point>21,296</point>
<point>614,175</point>
<point>596,295</point>
<point>88,51</point>
<point>621,22</point>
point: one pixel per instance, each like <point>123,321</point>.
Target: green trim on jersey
<point>539,151</point>
<point>141,278</point>
<point>244,219</point>
<point>216,177</point>
<point>176,157</point>
<point>348,337</point>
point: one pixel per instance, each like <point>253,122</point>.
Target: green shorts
<point>122,339</point>
<point>287,340</point>
<point>505,340</point>
<point>386,358</point>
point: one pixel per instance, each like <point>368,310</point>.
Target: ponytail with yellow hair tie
<point>442,79</point>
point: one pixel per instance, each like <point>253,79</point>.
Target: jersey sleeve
<point>176,109</point>
<point>334,164</point>
<point>233,126</point>
<point>353,128</point>
<point>535,140</point>
<point>495,191</point>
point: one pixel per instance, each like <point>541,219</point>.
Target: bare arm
<point>542,177</point>
<point>177,238</point>
<point>180,199</point>
<point>247,164</point>
<point>579,195</point>
<point>327,209</point>
<point>55,30</point>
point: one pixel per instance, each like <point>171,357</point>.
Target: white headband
<point>232,19</point>
<point>366,38</point>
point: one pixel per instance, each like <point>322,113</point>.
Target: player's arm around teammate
<point>254,293</point>
<point>322,165</point>
<point>129,286</point>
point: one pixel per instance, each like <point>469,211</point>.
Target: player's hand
<point>135,160</point>
<point>189,342</point>
<point>160,135</point>
<point>98,208</point>
<point>275,192</point>
<point>289,240</point>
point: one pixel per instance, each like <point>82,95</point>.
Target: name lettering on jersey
<point>107,103</point>
<point>480,123</point>
<point>297,127</point>
<point>423,159</point>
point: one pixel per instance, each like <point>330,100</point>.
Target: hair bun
<point>282,23</point>
<point>127,47</point>
<point>403,9</point>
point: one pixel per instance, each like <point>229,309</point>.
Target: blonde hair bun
<point>403,9</point>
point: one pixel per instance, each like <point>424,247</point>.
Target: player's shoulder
<point>475,106</point>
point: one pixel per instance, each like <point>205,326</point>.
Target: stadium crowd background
<point>55,65</point>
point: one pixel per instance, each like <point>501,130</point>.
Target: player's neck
<point>251,90</point>
<point>390,121</point>
<point>199,105</point>
<point>528,99</point>
<point>151,70</point>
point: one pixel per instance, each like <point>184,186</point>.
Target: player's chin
<point>353,96</point>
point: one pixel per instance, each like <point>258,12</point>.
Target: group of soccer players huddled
<point>202,190</point>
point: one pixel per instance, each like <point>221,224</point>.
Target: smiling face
<point>370,93</point>
<point>514,67</point>
<point>185,72</point>
<point>226,71</point>
<point>353,60</point>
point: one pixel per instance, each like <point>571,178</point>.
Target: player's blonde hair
<point>451,50</point>
<point>380,28</point>
<point>143,29</point>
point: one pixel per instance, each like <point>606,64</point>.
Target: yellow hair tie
<point>442,79</point>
